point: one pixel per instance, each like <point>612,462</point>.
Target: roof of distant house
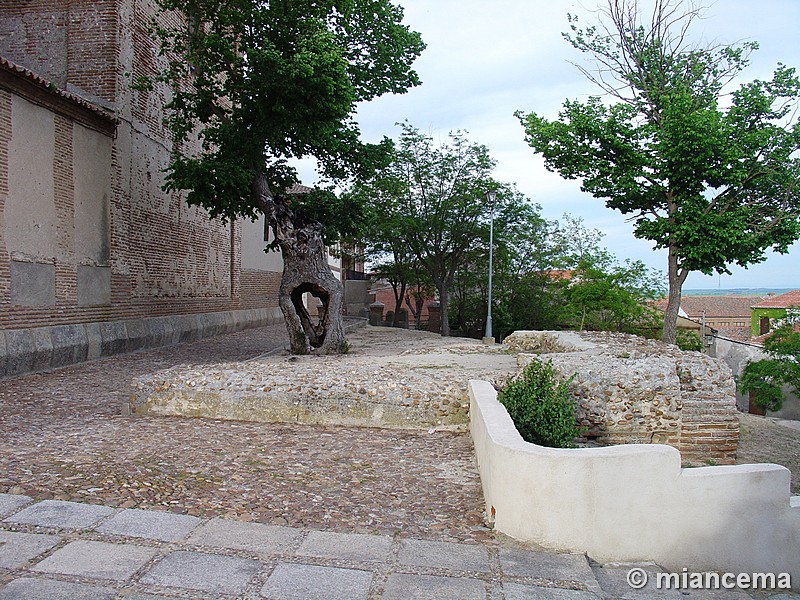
<point>783,301</point>
<point>715,306</point>
<point>559,273</point>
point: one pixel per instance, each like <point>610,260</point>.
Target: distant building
<point>729,315</point>
<point>773,311</point>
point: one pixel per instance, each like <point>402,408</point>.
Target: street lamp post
<point>488,338</point>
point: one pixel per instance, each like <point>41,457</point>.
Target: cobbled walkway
<point>96,505</point>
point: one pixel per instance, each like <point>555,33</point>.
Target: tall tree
<point>713,185</point>
<point>272,80</point>
<point>435,198</point>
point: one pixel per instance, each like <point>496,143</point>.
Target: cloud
<point>486,60</point>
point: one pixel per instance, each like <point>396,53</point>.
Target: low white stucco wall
<point>634,502</point>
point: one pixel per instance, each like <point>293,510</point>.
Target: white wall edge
<point>634,502</point>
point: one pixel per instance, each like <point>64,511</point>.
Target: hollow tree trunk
<point>305,270</point>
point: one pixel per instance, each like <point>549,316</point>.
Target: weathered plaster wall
<point>634,502</point>
<point>736,356</point>
<point>633,390</point>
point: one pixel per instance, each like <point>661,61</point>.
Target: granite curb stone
<point>253,537</point>
<point>45,589</point>
<point>97,560</point>
<point>16,549</point>
<point>205,572</point>
<point>61,514</point>
<point>308,582</point>
<point>432,587</point>
<point>446,555</point>
<point>10,503</point>
<point>346,546</point>
<point>150,524</point>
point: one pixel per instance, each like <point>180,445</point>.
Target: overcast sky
<point>485,60</point>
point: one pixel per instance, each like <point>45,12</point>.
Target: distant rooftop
<point>783,301</point>
<point>715,306</point>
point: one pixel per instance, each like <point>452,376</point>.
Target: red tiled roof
<point>783,301</point>
<point>298,189</point>
<point>715,306</point>
<point>23,73</point>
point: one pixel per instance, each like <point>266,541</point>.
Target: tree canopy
<point>258,82</point>
<point>713,178</point>
<point>432,207</point>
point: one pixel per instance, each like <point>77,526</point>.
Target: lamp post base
<point>488,341</point>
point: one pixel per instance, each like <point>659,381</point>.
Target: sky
<point>486,60</point>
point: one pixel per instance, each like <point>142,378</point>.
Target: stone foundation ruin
<point>633,390</point>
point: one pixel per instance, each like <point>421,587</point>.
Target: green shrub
<point>688,340</point>
<point>542,407</point>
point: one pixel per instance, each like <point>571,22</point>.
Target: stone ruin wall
<point>632,390</point>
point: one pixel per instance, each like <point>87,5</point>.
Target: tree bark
<point>676,277</point>
<point>305,270</point>
<point>444,301</point>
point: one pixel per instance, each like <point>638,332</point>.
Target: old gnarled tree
<point>268,81</point>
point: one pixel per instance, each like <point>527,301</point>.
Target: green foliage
<point>712,185</point>
<point>430,205</point>
<point>269,81</point>
<point>766,378</point>
<point>542,407</point>
<point>689,340</point>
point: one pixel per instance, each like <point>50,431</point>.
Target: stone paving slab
<point>431,587</point>
<point>151,525</point>
<point>549,566</point>
<point>16,549</point>
<point>297,563</point>
<point>205,572</point>
<point>445,555</point>
<point>44,589</point>
<point>517,591</point>
<point>308,582</point>
<point>254,537</point>
<point>64,515</point>
<point>346,546</point>
<point>9,503</point>
<point>97,560</point>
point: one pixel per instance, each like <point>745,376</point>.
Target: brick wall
<point>164,257</point>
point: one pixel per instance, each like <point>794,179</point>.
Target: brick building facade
<point>94,256</point>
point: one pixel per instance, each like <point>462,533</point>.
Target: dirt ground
<point>764,440</point>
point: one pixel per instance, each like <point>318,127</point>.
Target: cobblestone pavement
<point>241,510</point>
<point>63,437</point>
<point>53,550</point>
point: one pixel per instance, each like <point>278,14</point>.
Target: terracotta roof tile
<point>783,301</point>
<point>23,73</point>
<point>715,306</point>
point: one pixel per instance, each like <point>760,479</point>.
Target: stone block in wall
<point>42,348</point>
<point>69,344</point>
<point>190,328</point>
<point>33,284</point>
<point>138,334</point>
<point>113,338</point>
<point>20,351</point>
<point>94,285</point>
<point>94,341</point>
<point>3,352</point>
